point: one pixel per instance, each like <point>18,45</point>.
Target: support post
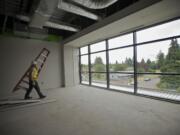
<point>135,61</point>
<point>80,79</point>
<point>107,63</point>
<point>89,61</point>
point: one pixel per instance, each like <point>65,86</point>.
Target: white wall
<point>16,55</point>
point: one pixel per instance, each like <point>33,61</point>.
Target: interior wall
<point>71,61</point>
<point>16,55</point>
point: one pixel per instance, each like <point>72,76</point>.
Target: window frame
<point>135,73</point>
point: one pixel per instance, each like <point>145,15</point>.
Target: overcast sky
<point>148,51</point>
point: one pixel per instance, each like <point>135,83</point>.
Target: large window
<point>121,41</point>
<point>160,57</point>
<point>121,81</point>
<point>145,62</point>
<point>99,79</point>
<point>121,60</point>
<point>98,46</point>
<point>84,65</point>
<point>84,69</point>
<point>121,66</point>
<point>98,62</point>
<point>165,30</point>
<point>84,50</point>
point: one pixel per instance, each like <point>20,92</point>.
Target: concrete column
<point>71,66</point>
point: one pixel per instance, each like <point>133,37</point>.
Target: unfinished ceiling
<point>139,15</point>
<point>60,17</point>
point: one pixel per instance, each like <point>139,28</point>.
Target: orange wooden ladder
<point>40,59</point>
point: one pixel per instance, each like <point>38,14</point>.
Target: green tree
<point>119,67</point>
<point>172,65</point>
<point>160,59</point>
<point>173,52</point>
<point>98,60</point>
<point>116,62</point>
<point>99,68</point>
<point>142,66</point>
<point>98,65</point>
<point>148,62</point>
<point>129,62</point>
<point>153,65</point>
<point>84,67</point>
<point>149,67</point>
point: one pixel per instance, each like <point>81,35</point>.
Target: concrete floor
<point>85,110</point>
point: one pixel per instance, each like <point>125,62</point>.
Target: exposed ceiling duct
<point>95,4</point>
<point>76,10</point>
<point>59,17</point>
<point>43,13</point>
<point>47,7</point>
<point>50,24</point>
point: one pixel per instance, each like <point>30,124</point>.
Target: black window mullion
<point>107,63</point>
<point>157,40</point>
<point>135,62</point>
<point>80,79</point>
<point>89,65</point>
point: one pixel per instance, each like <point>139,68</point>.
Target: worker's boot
<point>27,98</point>
<point>42,96</point>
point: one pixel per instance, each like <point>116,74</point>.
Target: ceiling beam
<point>60,26</point>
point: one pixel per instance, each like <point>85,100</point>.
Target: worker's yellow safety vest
<point>34,74</point>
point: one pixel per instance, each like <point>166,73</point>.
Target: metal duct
<point>95,4</point>
<point>76,10</point>
<point>47,7</point>
<point>50,24</point>
<point>43,13</point>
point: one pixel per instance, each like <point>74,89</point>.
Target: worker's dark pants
<point>33,84</point>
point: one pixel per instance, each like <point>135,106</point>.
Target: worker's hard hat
<point>34,62</point>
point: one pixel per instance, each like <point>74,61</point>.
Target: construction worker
<point>33,76</point>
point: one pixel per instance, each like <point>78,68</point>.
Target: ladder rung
<point>21,87</point>
<point>40,61</point>
<point>27,74</point>
<point>25,81</point>
<point>44,55</point>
